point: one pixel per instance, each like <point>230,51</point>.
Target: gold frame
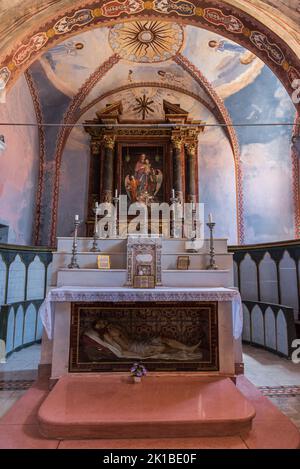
<point>183,262</point>
<point>103,261</point>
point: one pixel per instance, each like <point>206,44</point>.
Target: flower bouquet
<point>137,372</point>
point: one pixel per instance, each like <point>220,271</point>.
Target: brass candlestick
<point>212,263</point>
<point>116,202</point>
<point>174,201</point>
<point>74,263</point>
<point>95,248</point>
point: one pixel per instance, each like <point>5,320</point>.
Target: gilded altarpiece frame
<point>164,336</point>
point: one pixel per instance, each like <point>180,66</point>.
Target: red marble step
<point>112,406</point>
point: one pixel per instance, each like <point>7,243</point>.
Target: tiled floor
<point>16,375</point>
<point>266,369</point>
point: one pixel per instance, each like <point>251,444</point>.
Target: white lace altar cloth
<point>117,294</point>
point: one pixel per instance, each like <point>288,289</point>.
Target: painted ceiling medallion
<point>146,41</point>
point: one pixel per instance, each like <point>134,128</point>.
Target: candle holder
<point>212,263</point>
<point>74,264</point>
<point>116,202</point>
<point>94,247</point>
<point>174,201</point>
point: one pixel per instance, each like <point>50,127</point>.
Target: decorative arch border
<point>295,180</point>
<point>74,113</point>
<point>41,132</point>
<point>212,15</point>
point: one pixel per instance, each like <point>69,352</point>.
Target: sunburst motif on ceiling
<point>146,41</point>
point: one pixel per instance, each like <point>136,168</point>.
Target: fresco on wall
<point>266,158</point>
<point>251,92</point>
<point>18,165</point>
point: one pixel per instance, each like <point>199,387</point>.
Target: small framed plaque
<point>103,261</point>
<point>183,262</point>
<point>143,281</point>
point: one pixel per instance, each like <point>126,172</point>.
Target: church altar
<point>59,300</point>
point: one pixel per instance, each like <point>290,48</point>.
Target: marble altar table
<point>56,316</point>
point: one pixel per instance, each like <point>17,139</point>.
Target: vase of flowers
<point>137,372</point>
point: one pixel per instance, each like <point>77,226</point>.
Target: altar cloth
<point>122,294</point>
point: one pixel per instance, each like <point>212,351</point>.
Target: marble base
<point>112,406</point>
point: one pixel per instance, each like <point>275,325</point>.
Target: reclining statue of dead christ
<point>109,338</point>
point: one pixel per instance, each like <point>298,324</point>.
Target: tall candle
<point>76,217</point>
<point>96,204</point>
<point>173,193</point>
<point>210,218</point>
<point>116,193</point>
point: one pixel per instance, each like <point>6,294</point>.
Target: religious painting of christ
<point>143,173</point>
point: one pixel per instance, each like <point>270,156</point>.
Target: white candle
<point>173,193</point>
<point>210,218</point>
<point>96,204</point>
<point>76,217</point>
<point>116,193</point>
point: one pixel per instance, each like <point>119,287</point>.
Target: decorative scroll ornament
<point>26,50</point>
<point>146,41</point>
<point>181,7</point>
<point>217,17</point>
<point>261,41</point>
<point>67,23</point>
<point>4,77</point>
<point>116,8</point>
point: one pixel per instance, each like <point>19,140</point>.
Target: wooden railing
<point>267,276</point>
<point>24,276</point>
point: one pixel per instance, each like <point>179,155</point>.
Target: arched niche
<point>19,324</point>
<point>282,336</point>
<point>246,324</point>
<point>3,275</point>
<point>10,332</point>
<point>270,329</point>
<point>257,326</point>
<point>16,281</point>
<point>288,282</point>
<point>248,274</point>
<point>30,324</point>
<point>36,279</point>
<point>268,280</point>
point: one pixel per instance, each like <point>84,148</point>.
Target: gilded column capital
<point>177,142</point>
<point>95,147</point>
<point>191,148</point>
<point>109,141</point>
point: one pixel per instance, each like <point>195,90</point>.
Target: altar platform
<point>271,429</point>
<point>161,406</point>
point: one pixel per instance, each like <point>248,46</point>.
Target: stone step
<point>162,405</point>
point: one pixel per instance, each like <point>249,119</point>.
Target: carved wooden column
<point>177,165</point>
<point>191,170</point>
<point>108,169</point>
